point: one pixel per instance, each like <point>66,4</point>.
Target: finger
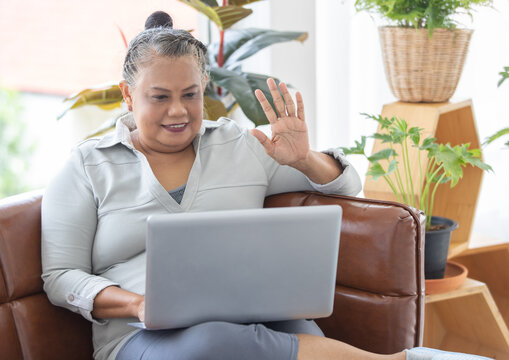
<point>267,108</point>
<point>290,105</point>
<point>264,140</point>
<point>300,106</point>
<point>276,97</point>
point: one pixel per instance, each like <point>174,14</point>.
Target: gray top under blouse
<point>178,193</point>
<point>94,211</point>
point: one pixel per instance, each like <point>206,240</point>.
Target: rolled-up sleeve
<point>348,183</point>
<point>69,220</point>
<point>284,178</point>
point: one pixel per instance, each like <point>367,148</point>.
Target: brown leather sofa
<point>379,295</point>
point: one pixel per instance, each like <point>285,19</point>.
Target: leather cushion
<point>20,247</point>
<point>9,345</point>
<point>66,335</point>
<point>372,263</point>
<point>390,321</point>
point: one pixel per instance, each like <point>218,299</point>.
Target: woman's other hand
<point>114,302</point>
<point>289,144</point>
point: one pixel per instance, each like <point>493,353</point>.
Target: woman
<point>163,158</point>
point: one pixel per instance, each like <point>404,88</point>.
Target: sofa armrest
<point>379,300</point>
<point>30,327</point>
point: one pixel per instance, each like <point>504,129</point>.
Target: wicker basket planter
<point>420,69</point>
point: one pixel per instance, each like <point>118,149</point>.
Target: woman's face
<point>167,103</point>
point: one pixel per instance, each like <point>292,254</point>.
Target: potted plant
<point>445,165</point>
<point>229,85</point>
<point>422,49</point>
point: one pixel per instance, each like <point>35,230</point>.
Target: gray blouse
<point>94,212</point>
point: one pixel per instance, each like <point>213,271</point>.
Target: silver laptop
<point>241,266</point>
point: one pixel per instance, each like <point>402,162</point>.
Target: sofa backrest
<point>379,293</point>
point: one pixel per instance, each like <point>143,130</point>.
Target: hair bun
<point>159,19</point>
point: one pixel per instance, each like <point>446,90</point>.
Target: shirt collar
<point>125,124</point>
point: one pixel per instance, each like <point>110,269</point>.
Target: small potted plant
<point>422,49</point>
<point>445,165</point>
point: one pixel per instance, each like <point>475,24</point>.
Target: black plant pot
<point>436,247</point>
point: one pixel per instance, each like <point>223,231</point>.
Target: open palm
<point>289,143</point>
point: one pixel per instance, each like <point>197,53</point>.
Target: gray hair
<point>162,41</point>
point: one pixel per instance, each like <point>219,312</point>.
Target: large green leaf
<point>213,109</point>
<point>259,81</point>
<point>472,157</point>
<point>210,3</point>
<point>358,149</point>
<point>241,90</point>
<point>452,161</point>
<point>107,97</point>
<point>222,16</point>
<point>243,43</point>
<point>241,2</point>
<point>376,170</point>
<point>384,154</point>
<point>384,137</point>
<point>497,135</point>
<point>415,135</point>
<point>504,74</point>
<point>428,143</point>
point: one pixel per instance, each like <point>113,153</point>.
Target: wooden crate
<point>466,320</point>
<point>490,265</point>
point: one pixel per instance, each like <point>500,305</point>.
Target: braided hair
<point>160,39</point>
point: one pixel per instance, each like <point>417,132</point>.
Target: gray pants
<point>220,341</point>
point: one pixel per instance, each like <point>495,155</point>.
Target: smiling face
<point>167,103</point>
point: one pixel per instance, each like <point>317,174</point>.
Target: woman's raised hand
<point>289,144</point>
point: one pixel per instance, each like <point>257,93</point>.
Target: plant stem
<point>220,55</point>
<point>422,203</point>
<point>393,188</point>
<point>429,200</point>
<point>400,183</point>
<point>428,220</point>
<point>409,181</point>
<point>420,172</point>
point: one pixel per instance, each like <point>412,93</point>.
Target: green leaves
<point>376,170</point>
<point>223,16</point>
<point>454,159</point>
<point>428,144</point>
<point>242,86</point>
<point>107,97</point>
<point>504,75</point>
<point>445,162</point>
<point>384,154</point>
<point>243,43</point>
<point>428,14</point>
<point>358,149</point>
<point>238,46</point>
<point>383,121</point>
<point>497,135</point>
